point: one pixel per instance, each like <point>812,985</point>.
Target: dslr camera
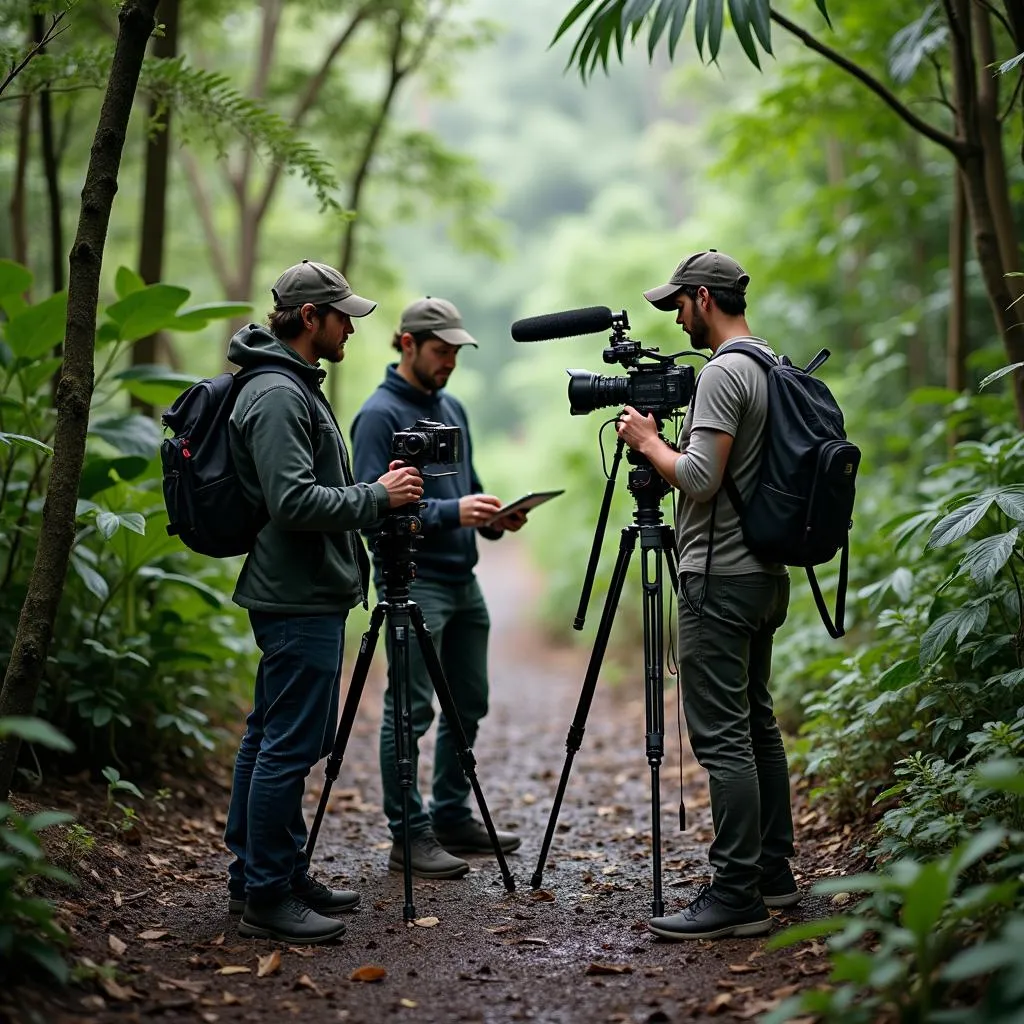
<point>427,443</point>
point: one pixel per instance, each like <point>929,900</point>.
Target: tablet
<point>523,504</point>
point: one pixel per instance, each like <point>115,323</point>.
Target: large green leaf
<point>924,899</point>
<point>147,310</point>
<point>155,384</point>
<point>195,318</point>
<point>1011,501</point>
<point>15,279</point>
<point>39,328</point>
<point>90,577</point>
<point>961,622</point>
<point>1005,776</point>
<point>26,442</point>
<point>984,559</point>
<point>960,521</point>
<point>127,281</point>
<point>100,473</point>
<point>993,377</point>
<point>130,435</point>
<point>35,730</point>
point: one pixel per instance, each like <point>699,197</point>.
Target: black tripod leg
<point>668,545</point>
<point>401,697</point>
<point>348,717</point>
<point>654,689</point>
<point>451,714</point>
<point>574,739</point>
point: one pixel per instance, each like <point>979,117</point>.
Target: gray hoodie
<point>309,558</point>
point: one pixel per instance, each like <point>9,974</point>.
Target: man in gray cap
<point>305,571</point>
<point>730,605</point>
<point>429,339</point>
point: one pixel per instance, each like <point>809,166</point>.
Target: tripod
<point>396,546</point>
<point>656,543</point>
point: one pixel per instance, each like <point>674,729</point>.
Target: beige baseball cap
<point>439,317</point>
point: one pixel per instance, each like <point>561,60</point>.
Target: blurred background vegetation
<point>441,147</point>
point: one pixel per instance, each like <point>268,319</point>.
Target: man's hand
<point>404,484</point>
<point>511,522</point>
<point>476,509</point>
<point>636,430</point>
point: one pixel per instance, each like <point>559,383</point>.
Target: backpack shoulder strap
<point>758,354</point>
<point>304,388</point>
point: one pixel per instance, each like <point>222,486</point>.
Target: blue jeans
<point>459,625</point>
<point>291,726</point>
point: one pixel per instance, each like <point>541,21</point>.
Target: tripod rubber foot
<point>535,881</point>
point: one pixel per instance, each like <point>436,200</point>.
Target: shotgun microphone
<point>569,324</point>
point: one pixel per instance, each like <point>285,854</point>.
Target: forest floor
<point>152,938</point>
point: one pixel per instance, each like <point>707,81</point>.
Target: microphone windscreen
<point>572,322</point>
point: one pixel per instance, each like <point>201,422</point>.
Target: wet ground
<point>152,926</point>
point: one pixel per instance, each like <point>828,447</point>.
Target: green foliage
<point>28,933</point>
<point>902,951</point>
<point>148,647</point>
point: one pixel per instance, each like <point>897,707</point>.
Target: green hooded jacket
<point>309,558</point>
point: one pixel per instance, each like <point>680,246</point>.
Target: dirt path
<point>577,951</point>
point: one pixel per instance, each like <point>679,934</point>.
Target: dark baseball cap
<point>320,284</point>
<point>713,269</point>
<point>439,317</point>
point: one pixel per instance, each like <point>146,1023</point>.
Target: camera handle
<point>657,547</point>
<point>396,546</point>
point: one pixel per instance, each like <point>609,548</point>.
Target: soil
<point>152,938</point>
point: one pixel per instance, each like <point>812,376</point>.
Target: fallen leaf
<point>785,991</point>
<point>219,941</point>
<point>269,964</point>
<point>596,968</point>
<point>408,1003</point>
<point>93,1002</point>
<point>528,798</point>
<point>841,899</point>
<point>426,922</point>
<point>542,896</point>
<point>530,941</point>
<point>122,993</point>
<point>756,1008</point>
<point>501,929</point>
<point>234,969</point>
<point>117,899</point>
<point>741,968</point>
<point>368,972</point>
<point>151,935</point>
<point>230,999</point>
<point>305,981</point>
<point>301,951</point>
<point>195,987</point>
<point>117,947</point>
<point>719,1003</point>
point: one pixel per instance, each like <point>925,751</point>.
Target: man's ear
<point>704,298</point>
<point>408,343</point>
<point>308,313</point>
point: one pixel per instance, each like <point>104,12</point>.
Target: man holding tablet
<point>429,339</point>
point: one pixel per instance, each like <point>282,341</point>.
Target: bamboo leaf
<point>741,23</point>
<point>1002,372</point>
<point>701,17</point>
<point>680,9</point>
<point>820,4</point>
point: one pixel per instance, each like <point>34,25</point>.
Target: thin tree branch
<point>929,131</point>
<point>305,104</point>
<point>997,14</point>
<point>944,99</point>
<point>202,202</point>
<point>1013,100</point>
<point>268,42</point>
<point>48,37</point>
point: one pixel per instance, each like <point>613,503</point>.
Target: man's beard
<point>427,382</point>
<point>324,348</point>
<point>698,330</point>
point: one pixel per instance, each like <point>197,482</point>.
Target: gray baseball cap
<point>439,317</point>
<point>713,269</point>
<point>320,284</point>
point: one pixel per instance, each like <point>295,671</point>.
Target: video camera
<point>659,387</point>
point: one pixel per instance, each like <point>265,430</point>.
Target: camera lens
<point>589,391</point>
<point>414,443</point>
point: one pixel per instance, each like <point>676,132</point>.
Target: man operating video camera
<point>429,339</point>
<point>730,605</point>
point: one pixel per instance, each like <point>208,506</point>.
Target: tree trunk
<point>973,157</point>
<point>17,208</point>
<point>39,610</point>
<point>51,172</point>
<point>956,332</point>
<point>154,202</point>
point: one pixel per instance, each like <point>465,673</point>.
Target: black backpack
<point>800,512</point>
<point>206,505</point>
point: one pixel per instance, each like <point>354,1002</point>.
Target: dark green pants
<point>725,660</point>
<point>459,624</point>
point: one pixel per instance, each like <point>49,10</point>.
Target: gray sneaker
<point>288,920</point>
<point>429,859</point>
<point>471,837</point>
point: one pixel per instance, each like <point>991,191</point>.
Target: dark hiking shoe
<point>471,837</point>
<point>288,920</point>
<point>314,894</point>
<point>707,917</point>
<point>779,889</point>
<point>429,859</point>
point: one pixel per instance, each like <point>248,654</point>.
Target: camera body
<point>428,443</point>
<point>658,388</point>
